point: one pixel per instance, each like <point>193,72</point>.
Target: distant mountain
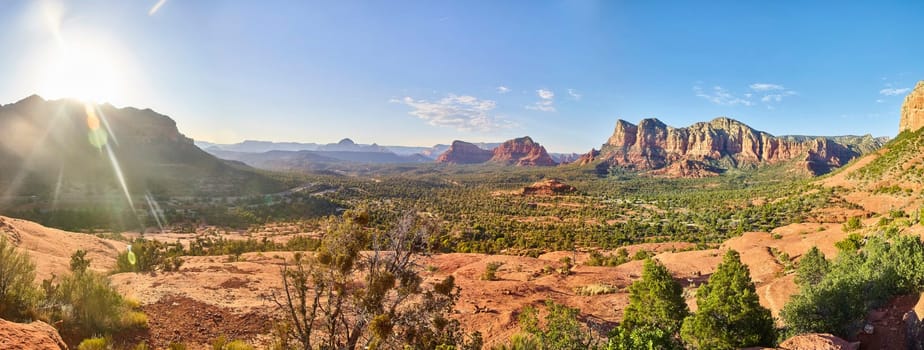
<point>521,152</point>
<point>565,158</point>
<point>314,160</point>
<point>345,145</point>
<point>76,152</point>
<point>252,146</point>
<point>708,148</point>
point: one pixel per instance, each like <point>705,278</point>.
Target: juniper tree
<point>729,314</point>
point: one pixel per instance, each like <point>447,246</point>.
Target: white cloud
<point>546,101</point>
<point>156,7</point>
<point>503,89</point>
<point>880,100</point>
<point>574,94</point>
<point>763,92</point>
<point>894,91</point>
<point>721,96</point>
<point>763,87</point>
<point>776,97</point>
<point>464,113</point>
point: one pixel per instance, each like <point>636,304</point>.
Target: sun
<point>82,71</point>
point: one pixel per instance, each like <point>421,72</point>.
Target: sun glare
<point>82,72</point>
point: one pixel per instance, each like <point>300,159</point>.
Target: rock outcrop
<point>817,341</point>
<point>520,152</point>
<point>723,143</point>
<point>461,152</point>
<point>588,157</point>
<point>30,336</point>
<point>548,187</point>
<point>913,110</point>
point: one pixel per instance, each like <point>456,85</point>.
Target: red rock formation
<point>687,169</point>
<point>461,152</point>
<point>723,143</point>
<point>816,341</point>
<point>29,336</point>
<point>588,157</point>
<point>522,152</point>
<point>548,187</point>
<point>913,110</point>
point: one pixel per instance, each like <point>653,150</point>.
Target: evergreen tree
<point>812,268</point>
<point>729,314</point>
<point>655,312</point>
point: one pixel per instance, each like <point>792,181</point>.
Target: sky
<point>428,72</point>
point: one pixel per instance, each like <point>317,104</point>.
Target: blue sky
<point>426,72</point>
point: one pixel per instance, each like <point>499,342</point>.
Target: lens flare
<point>131,255</point>
<point>156,211</point>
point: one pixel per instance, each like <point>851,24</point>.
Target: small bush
<point>17,272</point>
<point>490,271</point>
<point>135,320</point>
<point>853,224</point>
<point>94,344</point>
<point>596,289</point>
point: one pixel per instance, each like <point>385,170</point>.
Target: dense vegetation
<point>81,304</point>
<point>836,296</point>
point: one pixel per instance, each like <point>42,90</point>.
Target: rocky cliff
<point>723,143</point>
<point>84,148</point>
<point>461,152</point>
<point>913,110</point>
<point>520,152</point>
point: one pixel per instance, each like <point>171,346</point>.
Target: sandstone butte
<point>520,152</point>
<point>912,116</point>
<point>723,143</point>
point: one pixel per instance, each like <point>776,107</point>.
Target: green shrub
<point>94,344</point>
<point>595,289</point>
<point>150,255</point>
<point>812,268</point>
<point>561,331</point>
<point>729,314</point>
<point>222,343</point>
<point>84,304</point>
<point>17,273</point>
<point>490,271</point>
<point>856,282</point>
<point>655,312</point>
<point>853,224</point>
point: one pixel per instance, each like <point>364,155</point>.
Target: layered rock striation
<point>722,144</point>
<point>520,152</point>
<point>913,110</point>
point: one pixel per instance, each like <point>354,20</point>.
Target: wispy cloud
<point>765,93</point>
<point>503,89</point>
<point>464,113</point>
<point>762,87</point>
<point>574,94</point>
<point>894,91</point>
<point>546,101</point>
<point>721,96</point>
<point>156,7</point>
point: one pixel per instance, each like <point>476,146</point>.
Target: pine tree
<point>655,312</point>
<point>812,268</point>
<point>729,314</point>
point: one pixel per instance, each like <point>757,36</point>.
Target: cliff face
<point>723,143</point>
<point>913,110</point>
<point>461,152</point>
<point>520,152</point>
